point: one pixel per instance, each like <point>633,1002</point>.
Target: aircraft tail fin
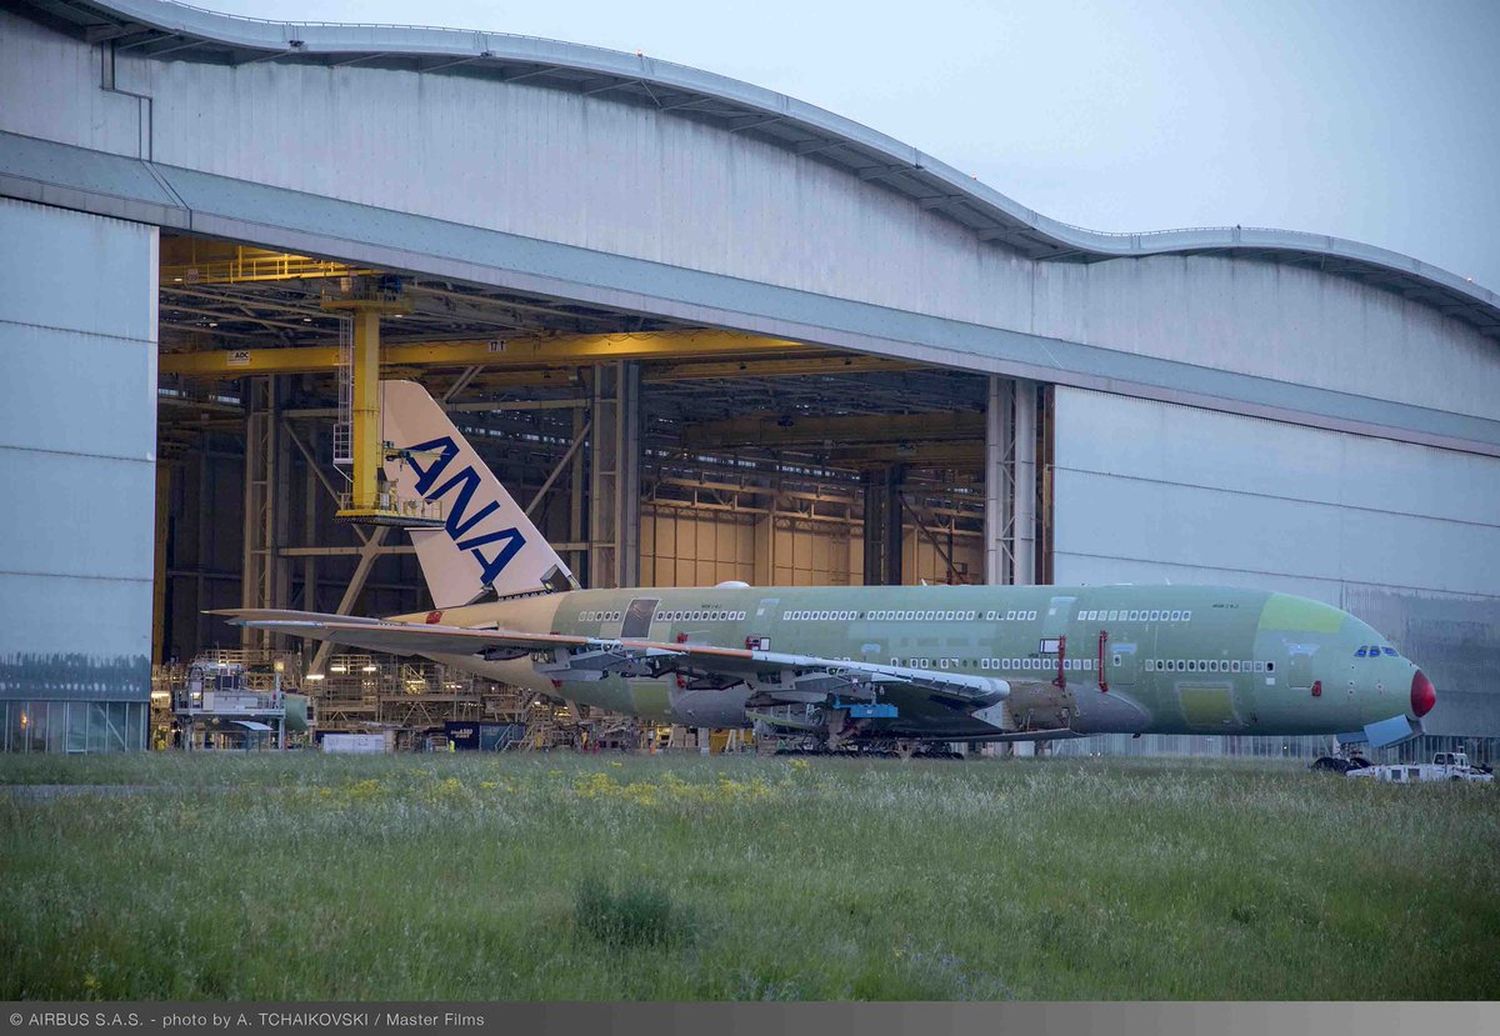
<point>487,545</point>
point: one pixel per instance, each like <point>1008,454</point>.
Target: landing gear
<point>1345,757</point>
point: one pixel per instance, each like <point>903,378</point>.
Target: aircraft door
<point>1055,644</point>
<point>637,622</point>
<point>1059,614</point>
<point>1299,663</point>
<point>1121,656</point>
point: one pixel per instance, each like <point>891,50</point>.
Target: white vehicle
<point>1445,766</point>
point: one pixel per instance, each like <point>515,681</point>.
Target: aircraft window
<point>1187,616</point>
<point>1390,651</point>
<point>1361,652</point>
<point>1270,667</point>
<point>1192,666</point>
<point>1234,667</point>
<point>1175,617</point>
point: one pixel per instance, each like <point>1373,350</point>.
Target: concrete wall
<point>681,547</point>
<point>629,180</point>
<point>1406,537</point>
<point>78,449</point>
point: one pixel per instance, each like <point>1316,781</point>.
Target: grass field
<point>532,877</point>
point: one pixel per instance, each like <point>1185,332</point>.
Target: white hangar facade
<point>738,336</point>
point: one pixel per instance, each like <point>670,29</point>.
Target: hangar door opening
<point>649,453</point>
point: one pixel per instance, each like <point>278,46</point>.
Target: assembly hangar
<point>703,330</point>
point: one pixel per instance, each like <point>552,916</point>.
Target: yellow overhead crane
<point>531,351</point>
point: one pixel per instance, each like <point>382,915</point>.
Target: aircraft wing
<point>776,677</point>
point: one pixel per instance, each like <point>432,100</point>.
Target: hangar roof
<point>158,28</point>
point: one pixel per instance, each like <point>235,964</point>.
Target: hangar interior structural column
<point>1011,486</point>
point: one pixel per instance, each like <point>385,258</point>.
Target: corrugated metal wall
<point>1406,537</point>
<point>682,547</point>
<point>78,450</point>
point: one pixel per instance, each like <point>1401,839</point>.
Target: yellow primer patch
<point>1207,706</point>
<point>1285,612</point>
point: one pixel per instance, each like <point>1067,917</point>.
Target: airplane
<point>862,665</point>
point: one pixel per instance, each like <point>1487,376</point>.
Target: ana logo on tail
<point>486,544</point>
<point>459,523</point>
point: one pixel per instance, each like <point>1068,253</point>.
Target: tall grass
<point>302,877</point>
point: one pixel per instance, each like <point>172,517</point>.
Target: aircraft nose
<point>1423,694</point>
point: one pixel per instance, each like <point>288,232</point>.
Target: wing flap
<point>774,675</point>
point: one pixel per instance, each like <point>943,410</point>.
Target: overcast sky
<point>1375,120</point>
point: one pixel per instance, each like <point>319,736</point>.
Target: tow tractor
<point>1445,766</point>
